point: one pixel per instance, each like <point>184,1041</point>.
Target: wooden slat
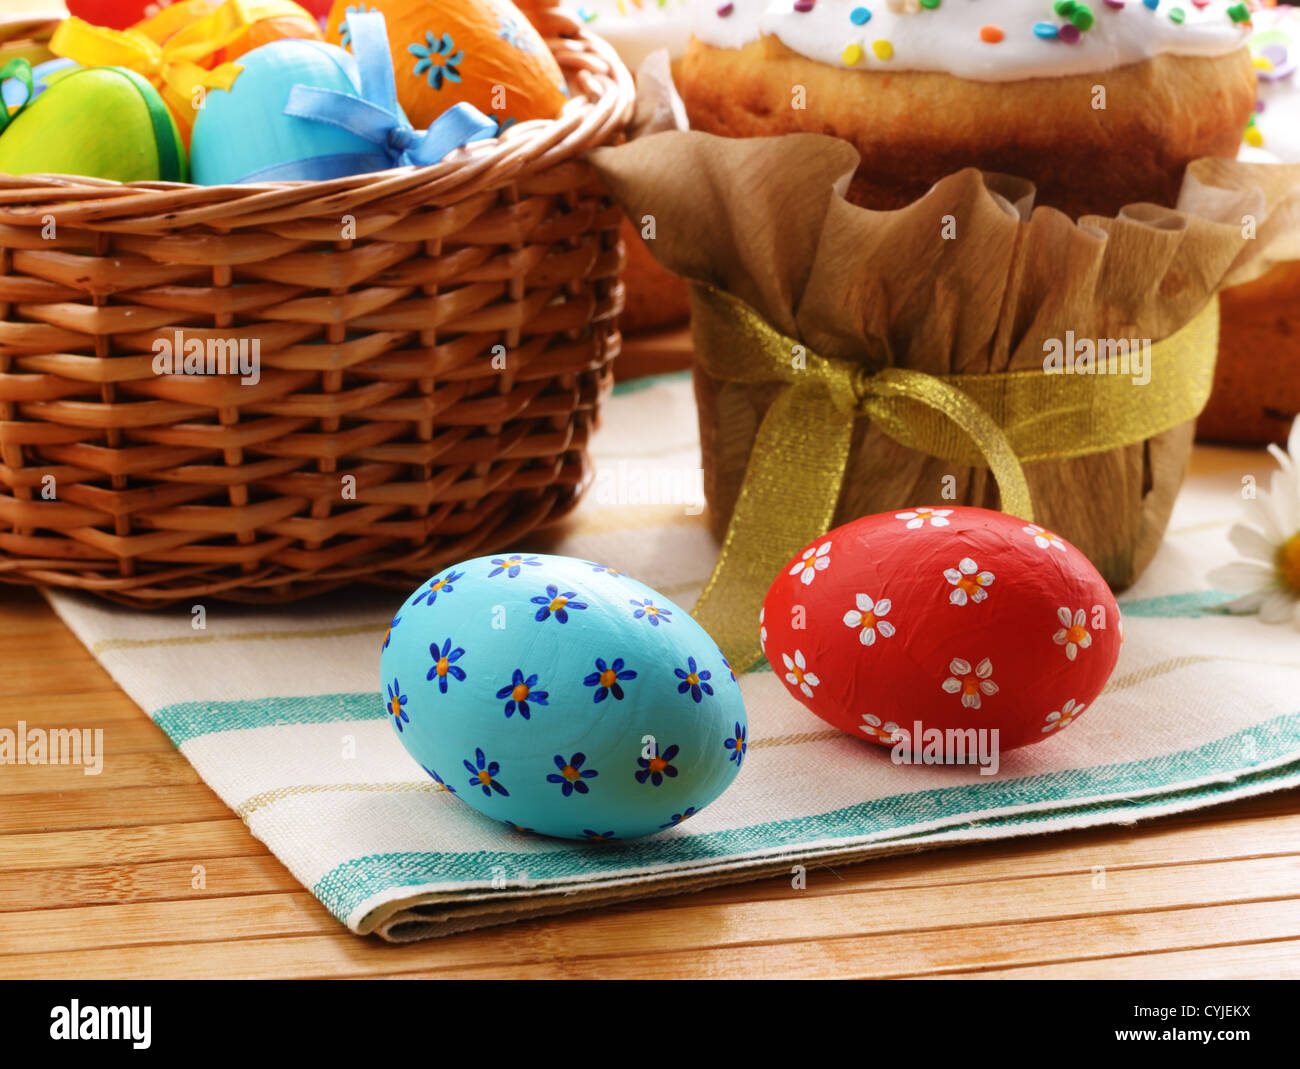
<point>150,881</point>
<point>1251,961</point>
<point>123,807</point>
<point>123,770</point>
<point>103,846</point>
<point>135,923</point>
<point>51,708</point>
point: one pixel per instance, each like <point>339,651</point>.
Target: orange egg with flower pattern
<point>484,52</point>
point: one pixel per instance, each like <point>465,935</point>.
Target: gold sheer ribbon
<point>996,421</point>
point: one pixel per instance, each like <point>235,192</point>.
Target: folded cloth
<point>279,711</point>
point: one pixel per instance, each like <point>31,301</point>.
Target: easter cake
<point>1257,378</point>
<point>1099,105</point>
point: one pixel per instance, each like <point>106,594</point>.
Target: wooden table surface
<point>141,871</point>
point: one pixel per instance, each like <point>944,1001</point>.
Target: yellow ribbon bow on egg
<point>175,61</point>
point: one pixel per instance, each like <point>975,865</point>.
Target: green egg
<point>102,122</point>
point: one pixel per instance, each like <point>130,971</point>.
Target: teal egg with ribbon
<point>242,134</point>
<point>306,110</point>
<point>562,697</point>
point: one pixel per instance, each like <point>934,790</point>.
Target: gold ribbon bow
<point>998,421</point>
<point>177,65</point>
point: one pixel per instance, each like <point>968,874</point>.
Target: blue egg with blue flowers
<point>562,697</point>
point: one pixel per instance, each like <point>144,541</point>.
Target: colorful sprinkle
<point>883,50</point>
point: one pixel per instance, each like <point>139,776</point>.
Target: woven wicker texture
<point>380,442</point>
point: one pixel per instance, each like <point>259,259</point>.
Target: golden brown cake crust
<point>915,127</point>
<point>1257,379</point>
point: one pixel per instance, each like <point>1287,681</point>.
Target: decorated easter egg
<point>942,619</point>
<point>115,14</point>
<point>241,26</point>
<point>187,49</point>
<point>562,696</point>
<point>104,122</point>
<point>320,9</point>
<point>243,135</point>
<point>484,52</point>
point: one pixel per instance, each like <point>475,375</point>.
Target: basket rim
<point>600,106</point>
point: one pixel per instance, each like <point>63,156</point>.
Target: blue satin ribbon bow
<point>376,116</point>
<point>18,74</point>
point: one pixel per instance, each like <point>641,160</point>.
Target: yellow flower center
<point>396,706</point>
<point>798,674</point>
<point>442,666</point>
<point>693,678</point>
<point>657,764</point>
<point>1288,562</point>
<point>558,604</point>
<point>520,692</point>
<point>1077,633</point>
<point>651,610</point>
<point>484,778</point>
<point>868,621</point>
<point>570,773</point>
<point>437,586</point>
<point>970,685</point>
<point>608,677</point>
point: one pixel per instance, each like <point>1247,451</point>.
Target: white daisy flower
<point>868,616</point>
<point>812,562</point>
<point>1269,540</point>
<point>1073,635</point>
<point>1043,538</point>
<point>970,684</point>
<point>1059,718</point>
<point>970,583</point>
<point>920,517</point>
<point>886,732</point>
<point>797,674</point>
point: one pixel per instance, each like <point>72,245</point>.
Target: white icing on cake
<point>904,35</point>
<point>637,27</point>
<point>1274,135</point>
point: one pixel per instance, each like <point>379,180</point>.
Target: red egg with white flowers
<point>947,617</point>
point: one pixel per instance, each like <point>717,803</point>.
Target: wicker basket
<point>376,350</point>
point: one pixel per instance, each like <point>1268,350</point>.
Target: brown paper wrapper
<point>765,220</point>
